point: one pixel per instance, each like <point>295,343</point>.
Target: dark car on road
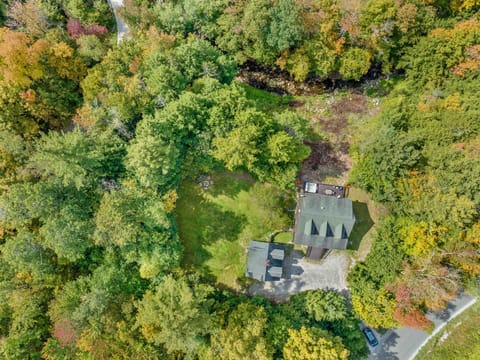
<point>372,340</point>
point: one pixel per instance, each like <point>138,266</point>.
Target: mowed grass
<point>460,339</point>
<point>367,214</point>
<point>216,225</point>
<point>283,237</point>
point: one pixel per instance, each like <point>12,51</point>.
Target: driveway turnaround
<point>404,343</point>
<point>300,275</point>
<point>122,28</point>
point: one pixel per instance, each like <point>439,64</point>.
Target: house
<point>323,222</point>
<point>265,261</point>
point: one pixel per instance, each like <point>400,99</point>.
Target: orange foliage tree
<point>38,82</point>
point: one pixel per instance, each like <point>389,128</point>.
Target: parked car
<point>372,340</point>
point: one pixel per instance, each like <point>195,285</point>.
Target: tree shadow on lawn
<point>362,225</point>
<point>204,227</point>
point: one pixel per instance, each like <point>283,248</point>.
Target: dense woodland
<point>95,139</point>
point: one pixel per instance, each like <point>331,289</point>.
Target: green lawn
<point>283,237</point>
<point>266,101</point>
<point>459,340</point>
<point>367,213</point>
<point>216,225</point>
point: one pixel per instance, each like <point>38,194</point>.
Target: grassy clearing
<point>460,339</point>
<point>367,213</point>
<point>266,101</point>
<point>216,225</point>
<point>283,237</point>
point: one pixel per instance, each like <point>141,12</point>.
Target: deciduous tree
<point>243,336</point>
<point>176,315</point>
<point>313,343</point>
<point>27,17</point>
<point>375,307</point>
<point>325,305</point>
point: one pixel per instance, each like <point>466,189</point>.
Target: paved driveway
<point>301,275</point>
<point>403,343</point>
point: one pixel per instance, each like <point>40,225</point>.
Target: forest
<point>99,143</point>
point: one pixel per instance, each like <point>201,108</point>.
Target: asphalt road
<point>122,28</point>
<point>404,343</point>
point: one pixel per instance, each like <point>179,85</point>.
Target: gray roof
<point>275,271</point>
<point>323,221</point>
<point>278,254</point>
<point>265,261</point>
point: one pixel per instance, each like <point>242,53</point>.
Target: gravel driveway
<point>301,275</point>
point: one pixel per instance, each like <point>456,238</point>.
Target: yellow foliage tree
<point>420,238</point>
<point>313,344</point>
<point>453,102</point>
<point>65,63</point>
<point>375,307</point>
<point>20,58</point>
<point>243,338</point>
<point>473,235</point>
<point>169,200</point>
<point>464,5</point>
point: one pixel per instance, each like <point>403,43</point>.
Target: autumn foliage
<point>411,317</point>
<point>64,331</point>
<point>406,313</point>
<point>75,29</point>
<point>20,58</point>
<point>96,139</point>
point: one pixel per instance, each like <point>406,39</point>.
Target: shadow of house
<point>290,263</point>
<point>323,222</point>
<point>362,225</point>
<point>265,261</point>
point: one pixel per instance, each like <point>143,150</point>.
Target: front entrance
<point>316,253</point>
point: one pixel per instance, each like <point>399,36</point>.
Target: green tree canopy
<point>243,335</point>
<point>176,315</point>
<point>325,305</point>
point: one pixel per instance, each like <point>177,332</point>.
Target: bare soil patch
<point>354,103</point>
<point>330,158</point>
<point>294,104</point>
<point>324,161</point>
